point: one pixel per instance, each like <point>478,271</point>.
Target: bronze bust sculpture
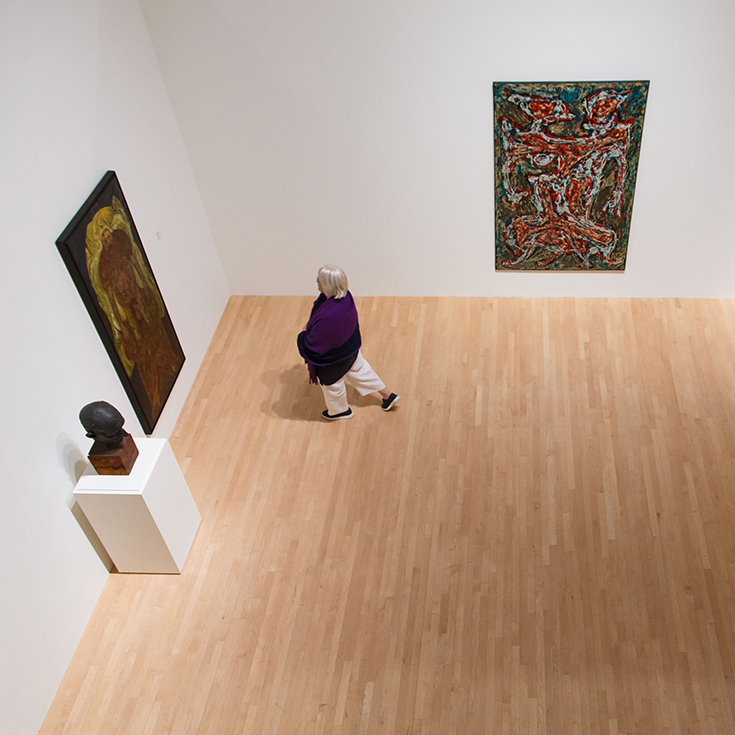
<point>114,451</point>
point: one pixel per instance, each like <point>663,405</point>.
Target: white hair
<point>333,281</point>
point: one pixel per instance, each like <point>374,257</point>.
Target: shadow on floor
<point>300,400</point>
<point>296,398</point>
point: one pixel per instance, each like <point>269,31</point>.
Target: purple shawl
<point>331,339</point>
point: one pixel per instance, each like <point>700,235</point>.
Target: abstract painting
<point>105,258</point>
<point>566,159</point>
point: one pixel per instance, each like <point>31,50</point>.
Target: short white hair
<point>333,281</point>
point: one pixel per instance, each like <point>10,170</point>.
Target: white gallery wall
<point>361,133</point>
<point>81,93</point>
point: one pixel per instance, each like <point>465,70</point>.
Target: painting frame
<point>566,163</point>
<point>104,255</point>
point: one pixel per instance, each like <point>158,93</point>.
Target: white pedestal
<point>146,520</point>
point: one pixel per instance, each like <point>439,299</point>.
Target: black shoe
<point>390,401</point>
<point>344,415</point>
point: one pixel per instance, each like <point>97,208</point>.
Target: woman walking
<point>330,345</point>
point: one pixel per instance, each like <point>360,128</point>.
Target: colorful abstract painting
<point>566,158</point>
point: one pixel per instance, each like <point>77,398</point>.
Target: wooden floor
<point>539,539</point>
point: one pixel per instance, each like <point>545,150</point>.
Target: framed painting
<point>106,260</point>
<point>566,159</point>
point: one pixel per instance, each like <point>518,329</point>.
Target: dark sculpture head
<point>104,424</point>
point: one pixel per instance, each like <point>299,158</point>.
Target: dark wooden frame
<point>72,246</point>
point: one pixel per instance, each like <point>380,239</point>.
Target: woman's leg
<point>335,396</point>
<point>365,379</point>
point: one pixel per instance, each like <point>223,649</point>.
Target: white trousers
<point>361,376</point>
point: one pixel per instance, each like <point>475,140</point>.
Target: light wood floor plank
<point>538,539</point>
